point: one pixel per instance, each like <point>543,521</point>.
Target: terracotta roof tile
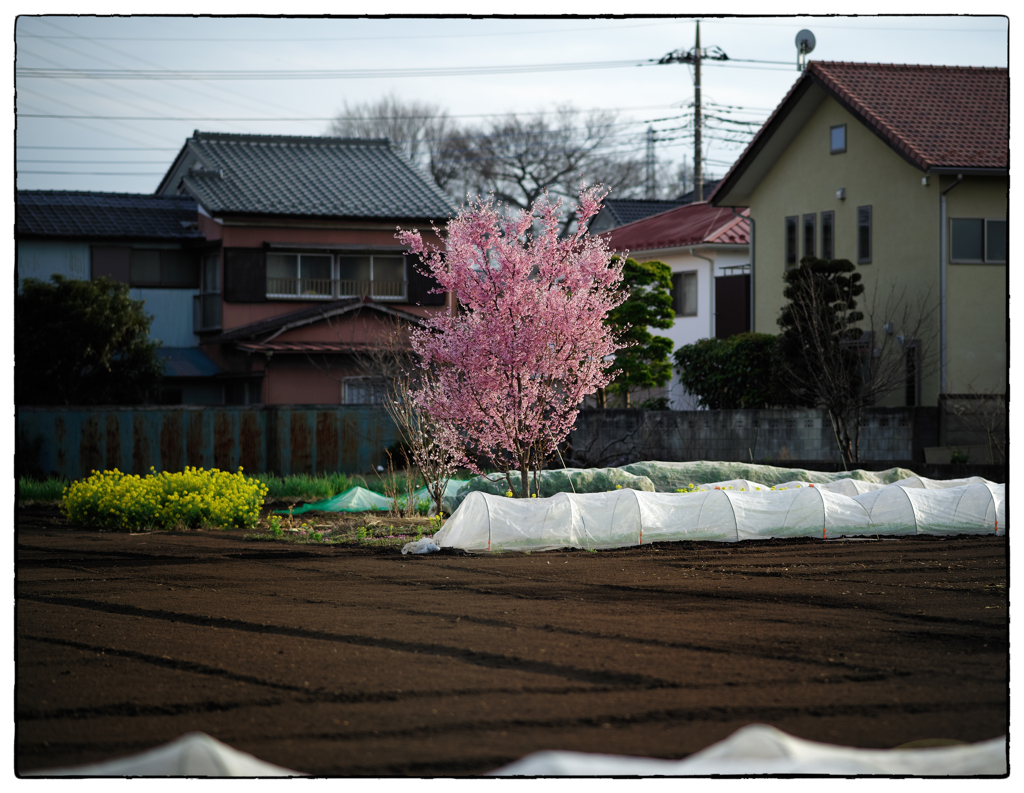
<point>938,116</point>
<point>692,224</point>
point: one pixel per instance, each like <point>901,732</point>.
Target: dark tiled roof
<point>308,176</point>
<point>709,188</point>
<point>629,210</point>
<point>692,224</point>
<point>186,362</point>
<point>936,116</point>
<point>62,213</point>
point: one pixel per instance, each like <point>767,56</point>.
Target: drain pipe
<point>942,282</point>
<point>750,245</point>
<point>711,286</point>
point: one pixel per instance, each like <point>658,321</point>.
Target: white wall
<point>687,330</point>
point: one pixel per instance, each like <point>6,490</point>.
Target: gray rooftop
<point>304,176</point>
<point>74,214</point>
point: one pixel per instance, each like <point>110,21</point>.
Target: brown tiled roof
<point>936,116</point>
<point>691,224</point>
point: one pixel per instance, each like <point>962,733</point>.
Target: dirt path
<point>345,662</point>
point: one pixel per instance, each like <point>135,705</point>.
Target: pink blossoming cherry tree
<point>528,341</point>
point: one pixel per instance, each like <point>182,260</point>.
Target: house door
<point>732,305</point>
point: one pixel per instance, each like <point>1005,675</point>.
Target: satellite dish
<point>804,45</point>
<point>805,42</point>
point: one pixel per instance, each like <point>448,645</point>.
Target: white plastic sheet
<point>194,754</point>
<point>758,749</point>
<point>627,517</point>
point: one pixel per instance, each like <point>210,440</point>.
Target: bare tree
<point>520,158</point>
<point>847,360</point>
<point>432,446</point>
<point>981,413</point>
<point>424,132</point>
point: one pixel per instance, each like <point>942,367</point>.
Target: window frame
<point>377,386</point>
<point>862,259</point>
<point>791,258</point>
<point>679,293</point>
<point>831,149</point>
<point>830,216</point>
<point>190,253</point>
<point>335,276</point>
<point>208,300</point>
<point>809,222</point>
<point>984,241</point>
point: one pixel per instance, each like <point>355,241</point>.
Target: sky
<point>105,103</point>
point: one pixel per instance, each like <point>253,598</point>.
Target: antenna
<point>804,45</point>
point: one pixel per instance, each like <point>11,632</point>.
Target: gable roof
<point>934,117</point>
<point>303,176</point>
<point>691,224</point>
<point>629,210</point>
<point>308,316</point>
<point>108,216</point>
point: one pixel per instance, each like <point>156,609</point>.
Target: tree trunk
<point>601,401</point>
<point>524,471</point>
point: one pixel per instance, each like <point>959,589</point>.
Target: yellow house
<point>902,170</point>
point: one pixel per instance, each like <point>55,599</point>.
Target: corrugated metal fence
<point>283,439</point>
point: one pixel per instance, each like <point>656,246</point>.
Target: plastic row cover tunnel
<point>619,518</point>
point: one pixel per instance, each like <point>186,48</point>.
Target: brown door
<point>732,305</point>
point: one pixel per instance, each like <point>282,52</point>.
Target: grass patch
<point>51,489</point>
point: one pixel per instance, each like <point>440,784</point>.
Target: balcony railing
<point>205,312</point>
<point>329,288</point>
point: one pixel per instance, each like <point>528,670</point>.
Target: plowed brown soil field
<point>342,661</point>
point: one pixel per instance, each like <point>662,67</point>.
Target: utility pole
<point>698,171</point>
<point>694,57</point>
<point>651,187</point>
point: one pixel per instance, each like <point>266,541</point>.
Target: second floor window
<point>976,240</point>
<point>791,253</point>
<point>299,275</point>
<point>809,234</point>
<point>684,294</point>
<point>828,247</point>
<point>326,276</point>
<point>864,235</point>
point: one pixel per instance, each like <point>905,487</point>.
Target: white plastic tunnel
<point>977,508</point>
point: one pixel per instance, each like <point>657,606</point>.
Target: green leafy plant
<point>958,456</point>
<point>88,343</point>
<point>733,373</point>
<point>644,362</point>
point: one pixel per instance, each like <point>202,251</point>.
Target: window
<point>325,276</point>
<point>299,275</point>
<point>977,241</point>
<point>684,294</point>
<point>164,268</point>
<point>837,139</point>
<point>791,241</point>
<point>363,391</point>
<point>380,276</point>
<point>912,351</point>
<point>828,247</point>
<point>864,235</point>
<point>206,305</point>
<point>810,221</point>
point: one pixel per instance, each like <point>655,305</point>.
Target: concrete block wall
<point>616,437</point>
